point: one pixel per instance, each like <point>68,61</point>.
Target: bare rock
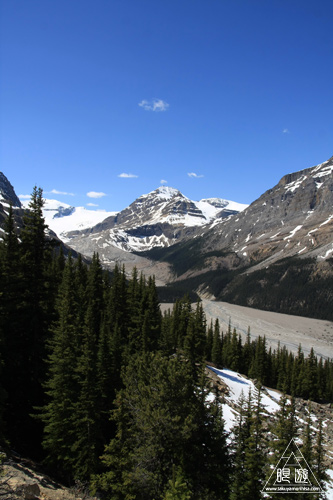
<point>29,490</point>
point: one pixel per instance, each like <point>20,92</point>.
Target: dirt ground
<point>284,328</point>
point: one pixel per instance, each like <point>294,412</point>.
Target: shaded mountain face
<point>8,197</point>
<point>158,219</point>
<point>7,193</point>
<point>276,255</point>
<point>294,218</point>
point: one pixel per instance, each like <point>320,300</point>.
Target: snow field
<point>239,385</point>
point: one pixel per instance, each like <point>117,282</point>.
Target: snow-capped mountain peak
<point>63,218</point>
<point>160,218</point>
<point>166,192</point>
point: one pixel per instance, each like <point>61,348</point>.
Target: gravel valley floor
<point>286,329</point>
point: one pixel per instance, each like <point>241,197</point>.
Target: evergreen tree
<point>162,423</point>
<point>217,345</point>
<point>249,453</point>
<point>151,314</point>
<point>10,303</point>
<point>177,488</point>
<point>241,433</point>
<point>182,313</point>
<point>235,351</point>
<point>310,379</point>
<point>247,354</point>
<point>26,332</point>
<point>254,460</point>
<point>88,433</point>
<point>195,339</point>
<point>258,368</point>
<point>134,298</point>
<point>307,440</point>
<point>318,458</point>
<point>62,386</point>
<point>285,428</point>
<point>209,342</point>
<point>166,340</point>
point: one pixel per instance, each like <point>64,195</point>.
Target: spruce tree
<point>255,455</point>
<point>10,327</point>
<point>163,420</point>
<point>88,433</point>
<point>27,333</point>
<point>285,428</point>
<point>247,352</point>
<point>177,488</point>
<point>217,346</point>
<point>319,468</point>
<point>62,385</point>
<point>241,432</point>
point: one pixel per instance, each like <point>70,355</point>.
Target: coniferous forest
<point>101,387</point>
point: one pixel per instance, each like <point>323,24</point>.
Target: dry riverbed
<point>284,328</point>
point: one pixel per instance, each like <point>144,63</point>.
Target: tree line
<point>102,387</point>
<point>294,374</point>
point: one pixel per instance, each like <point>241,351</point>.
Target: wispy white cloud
<point>92,205</point>
<point>154,105</point>
<point>163,181</point>
<point>55,191</point>
<point>128,176</point>
<point>285,131</point>
<point>24,196</point>
<point>192,174</point>
<point>94,194</point>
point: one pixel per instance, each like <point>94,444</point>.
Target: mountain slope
<point>8,197</point>
<point>274,255</point>
<point>293,218</point>
<point>158,219</point>
<point>63,218</point>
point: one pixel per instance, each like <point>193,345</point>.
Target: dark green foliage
<point>216,352</point>
<point>249,450</point>
<point>177,488</point>
<point>163,422</point>
<point>318,464</point>
<point>303,377</point>
<point>62,386</point>
<point>285,427</point>
<point>90,355</point>
<point>27,309</point>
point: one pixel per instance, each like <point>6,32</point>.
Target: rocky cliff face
<point>293,218</point>
<point>8,197</point>
<point>7,193</point>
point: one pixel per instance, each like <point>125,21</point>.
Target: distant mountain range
<point>214,246</point>
<point>158,219</point>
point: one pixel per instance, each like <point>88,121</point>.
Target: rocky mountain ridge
<point>8,197</point>
<point>7,193</point>
<point>294,218</point>
<point>157,219</point>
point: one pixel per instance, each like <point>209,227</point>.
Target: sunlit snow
<point>292,233</point>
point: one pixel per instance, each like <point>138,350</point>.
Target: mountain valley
<point>274,254</point>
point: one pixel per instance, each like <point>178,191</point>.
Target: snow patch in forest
<point>238,384</point>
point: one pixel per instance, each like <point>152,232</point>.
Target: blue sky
<point>218,98</point>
